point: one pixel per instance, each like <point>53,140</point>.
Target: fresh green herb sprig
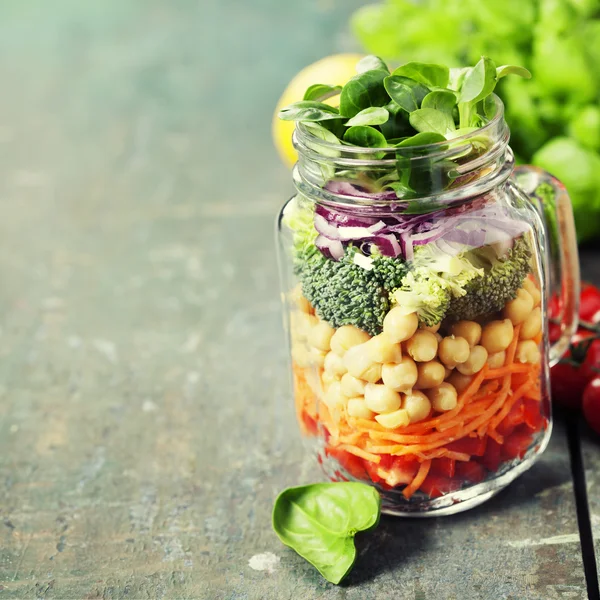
<point>379,109</point>
<point>319,521</point>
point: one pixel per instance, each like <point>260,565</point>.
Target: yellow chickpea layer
<point>454,351</point>
<point>443,397</point>
<point>430,374</point>
<point>422,346</point>
<point>520,308</point>
<point>497,335</point>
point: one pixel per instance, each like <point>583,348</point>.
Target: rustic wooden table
<point>145,422</point>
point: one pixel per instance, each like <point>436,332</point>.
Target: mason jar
<point>416,284</point>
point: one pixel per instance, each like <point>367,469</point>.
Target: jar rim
<point>302,133</point>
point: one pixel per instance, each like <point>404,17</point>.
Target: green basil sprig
<point>319,522</point>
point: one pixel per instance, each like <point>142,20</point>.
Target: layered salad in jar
<point>416,335</point>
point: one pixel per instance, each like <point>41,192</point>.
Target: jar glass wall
<point>415,294</point>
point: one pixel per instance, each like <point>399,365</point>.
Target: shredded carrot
<point>416,483</point>
<point>495,421</point>
<point>508,370</point>
<point>361,453</point>
<point>512,348</point>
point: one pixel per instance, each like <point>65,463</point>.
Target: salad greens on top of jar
<point>414,290</point>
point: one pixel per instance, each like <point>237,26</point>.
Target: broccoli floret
<point>434,280</point>
<point>499,284</point>
<point>345,293</point>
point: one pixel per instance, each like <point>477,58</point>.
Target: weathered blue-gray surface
<point>145,423</point>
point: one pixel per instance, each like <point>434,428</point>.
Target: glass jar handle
<point>562,284</point>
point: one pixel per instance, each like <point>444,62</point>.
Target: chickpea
<point>399,326</point>
<point>475,362</point>
<point>496,360</point>
<point>301,356</point>
<point>443,397</point>
<point>401,376</point>
<point>430,374</point>
<point>381,399</point>
<point>333,397</point>
<point>357,408</point>
<point>347,337</point>
<point>533,290</point>
<point>459,381</point>
<point>417,405</point>
<point>351,386</point>
<point>334,364</point>
<point>439,337</point>
<point>302,324</point>
<point>528,352</point>
<point>328,378</point>
<point>302,304</point>
<point>447,372</point>
<point>497,335</point>
<point>432,328</point>
<point>320,336</point>
<point>520,308</point>
<point>470,330</point>
<point>360,365</point>
<point>422,346</point>
<point>383,350</point>
<point>317,357</point>
<point>398,418</point>
<point>454,350</point>
<point>532,325</point>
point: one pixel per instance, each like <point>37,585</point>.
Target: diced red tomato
<point>473,446</point>
<point>352,464</point>
<point>532,412</point>
<point>471,471</point>
<point>436,485</point>
<point>443,466</point>
<point>310,424</point>
<point>372,470</point>
<point>516,444</point>
<point>491,459</point>
<point>401,471</point>
<point>515,417</point>
<point>339,476</point>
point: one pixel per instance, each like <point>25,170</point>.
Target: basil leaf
<point>505,70</point>
<point>366,137</point>
<point>319,522</point>
<point>432,120</point>
<point>375,115</point>
<point>321,91</point>
<point>327,136</point>
<point>428,74</point>
<point>371,63</point>
<point>489,107</point>
<point>363,91</point>
<point>457,76</point>
<point>479,82</point>
<point>422,139</point>
<point>397,126</point>
<point>440,100</point>
<point>405,92</point>
<point>306,110</point>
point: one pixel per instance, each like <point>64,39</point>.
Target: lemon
<point>336,69</point>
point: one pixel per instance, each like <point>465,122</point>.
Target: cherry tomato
<point>568,381</point>
<point>591,404</point>
<point>589,307</point>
